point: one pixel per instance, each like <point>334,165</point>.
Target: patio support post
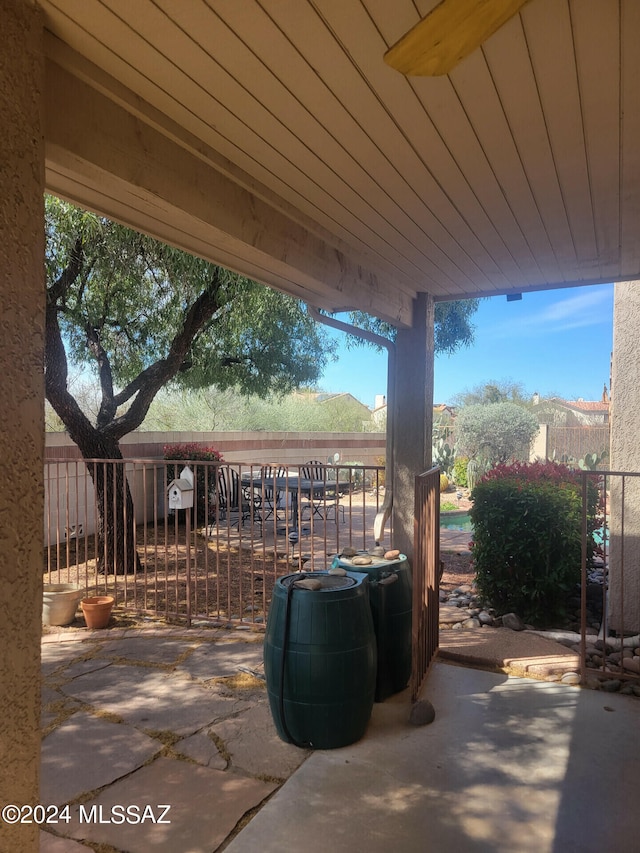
<point>413,416</point>
<point>624,600</point>
<point>22,314</point>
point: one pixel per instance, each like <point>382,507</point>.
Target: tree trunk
<point>115,542</point>
<point>115,531</point>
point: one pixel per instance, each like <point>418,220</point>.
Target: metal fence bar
<point>223,571</point>
<point>583,582</point>
<point>202,563</point>
<point>616,654</point>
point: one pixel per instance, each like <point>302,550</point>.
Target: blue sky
<point>556,342</point>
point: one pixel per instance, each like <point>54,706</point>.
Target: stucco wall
<point>22,406</point>
<point>69,501</point>
<point>625,456</point>
<point>276,448</point>
<point>69,494</point>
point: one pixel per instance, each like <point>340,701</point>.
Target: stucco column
<point>625,456</point>
<point>413,414</point>
<point>22,307</point>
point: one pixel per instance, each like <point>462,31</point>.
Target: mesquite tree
<point>144,315</point>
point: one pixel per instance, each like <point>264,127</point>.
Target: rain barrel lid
<point>327,582</point>
<point>376,562</point>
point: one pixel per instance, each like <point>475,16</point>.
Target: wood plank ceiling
<point>519,170</point>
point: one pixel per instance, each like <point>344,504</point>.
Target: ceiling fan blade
<point>451,31</point>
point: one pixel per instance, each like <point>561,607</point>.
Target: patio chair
<point>324,499</point>
<point>273,498</point>
<point>234,502</point>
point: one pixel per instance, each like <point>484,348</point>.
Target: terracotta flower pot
<point>97,610</point>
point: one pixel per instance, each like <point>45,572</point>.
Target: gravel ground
<point>457,570</point>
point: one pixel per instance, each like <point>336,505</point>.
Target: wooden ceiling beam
<point>449,33</point>
<point>101,156</point>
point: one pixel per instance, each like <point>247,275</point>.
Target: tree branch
<point>61,285</point>
<point>108,406</point>
<point>56,376</point>
<point>147,384</point>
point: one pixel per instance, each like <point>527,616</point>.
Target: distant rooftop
<point>588,405</point>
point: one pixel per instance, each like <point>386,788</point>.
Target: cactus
<point>473,473</point>
<point>442,455</point>
<point>590,461</point>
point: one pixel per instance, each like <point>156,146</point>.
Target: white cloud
<point>590,307</point>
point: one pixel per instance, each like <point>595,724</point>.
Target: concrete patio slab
<point>201,748</point>
<point>82,667</point>
<point>52,844</point>
<point>55,655</point>
<point>150,698</point>
<point>205,806</point>
<point>161,651</point>
<point>253,744</point>
<point>87,752</point>
<point>47,718</point>
<point>519,652</point>
<point>49,695</point>
<point>221,660</point>
<point>508,765</point>
<point>56,707</point>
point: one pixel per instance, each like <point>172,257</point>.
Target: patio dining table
<point>295,485</point>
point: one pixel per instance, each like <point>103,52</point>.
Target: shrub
<point>527,549</point>
<point>191,452</point>
<point>497,432</point>
<point>460,471</point>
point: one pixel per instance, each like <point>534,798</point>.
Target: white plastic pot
<point>60,602</point>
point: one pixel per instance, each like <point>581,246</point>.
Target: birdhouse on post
<point>180,491</point>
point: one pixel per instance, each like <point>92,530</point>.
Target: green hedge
<point>460,471</point>
<point>527,549</point>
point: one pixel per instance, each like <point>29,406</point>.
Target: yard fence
<point>217,561</point>
<point>610,588</point>
<point>563,444</point>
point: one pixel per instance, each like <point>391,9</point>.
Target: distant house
<point>339,399</point>
<point>571,429</point>
<point>325,396</point>
<point>589,412</point>
<point>586,412</point>
<point>441,411</point>
<point>322,397</point>
<point>349,413</point>
<point>444,409</point>
<point>379,413</point>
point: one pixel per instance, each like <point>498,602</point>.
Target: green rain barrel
<point>391,599</point>
<point>320,659</point>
